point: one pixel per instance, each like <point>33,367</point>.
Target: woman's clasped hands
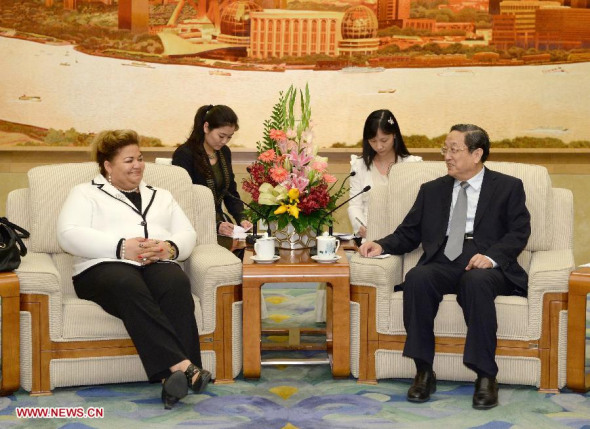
<point>147,251</point>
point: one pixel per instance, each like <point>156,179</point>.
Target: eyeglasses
<point>453,150</point>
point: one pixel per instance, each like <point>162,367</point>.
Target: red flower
<point>317,198</point>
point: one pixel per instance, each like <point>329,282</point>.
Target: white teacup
<point>328,245</point>
<point>265,248</point>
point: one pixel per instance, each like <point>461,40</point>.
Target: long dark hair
<point>217,117</point>
<point>385,121</point>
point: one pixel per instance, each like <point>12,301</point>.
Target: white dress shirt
<point>473,191</point>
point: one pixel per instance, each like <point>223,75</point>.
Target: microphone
<point>330,230</point>
<point>351,174</point>
<point>255,226</point>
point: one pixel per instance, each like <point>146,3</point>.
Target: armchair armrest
<point>383,275</point>
<point>549,272</point>
<point>38,274</point>
<point>208,267</point>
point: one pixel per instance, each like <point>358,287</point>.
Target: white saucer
<point>255,258</point>
<point>325,260</point>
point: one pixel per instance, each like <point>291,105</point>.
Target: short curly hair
<point>107,144</point>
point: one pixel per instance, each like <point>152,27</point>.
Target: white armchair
<point>531,331</point>
<point>67,341</point>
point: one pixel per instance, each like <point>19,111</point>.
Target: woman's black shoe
<point>174,389</point>
<point>203,378</point>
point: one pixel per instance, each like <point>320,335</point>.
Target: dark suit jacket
<point>501,226</point>
<point>183,157</point>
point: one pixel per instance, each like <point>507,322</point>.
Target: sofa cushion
<point>512,314</point>
<point>86,320</point>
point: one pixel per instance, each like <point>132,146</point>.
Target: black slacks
<point>156,306</point>
<point>476,290</point>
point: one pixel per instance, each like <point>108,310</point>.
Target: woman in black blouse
<point>207,159</point>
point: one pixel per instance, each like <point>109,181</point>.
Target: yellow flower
<point>293,194</point>
<point>282,209</point>
<point>294,211</point>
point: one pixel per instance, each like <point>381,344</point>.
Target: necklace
<point>212,156</point>
<point>382,164</point>
<point>127,191</point>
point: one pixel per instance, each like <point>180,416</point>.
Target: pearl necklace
<point>127,191</point>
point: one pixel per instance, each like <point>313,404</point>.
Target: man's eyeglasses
<point>453,150</point>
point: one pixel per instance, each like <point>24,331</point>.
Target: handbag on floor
<point>11,244</point>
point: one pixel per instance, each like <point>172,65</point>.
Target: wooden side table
<point>296,266</point>
<point>9,292</point>
<point>579,287</point>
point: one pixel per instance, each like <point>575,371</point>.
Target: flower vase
<point>288,238</point>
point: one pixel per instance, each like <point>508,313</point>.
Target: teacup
<point>328,245</point>
<point>265,248</point>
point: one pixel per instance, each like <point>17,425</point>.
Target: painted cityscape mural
<point>519,68</point>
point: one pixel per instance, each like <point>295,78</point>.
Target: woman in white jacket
<point>383,146</point>
<point>126,237</point>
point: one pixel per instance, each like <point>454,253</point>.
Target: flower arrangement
<point>289,183</point>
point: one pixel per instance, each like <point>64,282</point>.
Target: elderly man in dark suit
<point>472,224</point>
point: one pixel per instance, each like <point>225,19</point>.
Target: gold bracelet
<point>171,251</point>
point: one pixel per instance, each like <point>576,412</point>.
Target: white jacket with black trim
<point>96,216</point>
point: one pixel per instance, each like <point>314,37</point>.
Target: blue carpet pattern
<point>303,397</point>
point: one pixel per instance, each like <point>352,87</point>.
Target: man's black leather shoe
<point>486,393</point>
<point>424,385</point>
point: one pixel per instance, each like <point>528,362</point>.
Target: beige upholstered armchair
<point>531,331</point>
<point>67,341</point>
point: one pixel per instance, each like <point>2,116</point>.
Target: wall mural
<point>519,68</point>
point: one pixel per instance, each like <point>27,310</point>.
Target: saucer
<point>325,260</point>
<point>255,258</point>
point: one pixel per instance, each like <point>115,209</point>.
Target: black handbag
<point>11,244</point>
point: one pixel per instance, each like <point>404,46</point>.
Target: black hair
<point>216,116</point>
<point>385,121</point>
<point>475,138</point>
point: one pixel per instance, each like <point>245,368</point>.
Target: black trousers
<point>476,290</point>
<point>156,306</point>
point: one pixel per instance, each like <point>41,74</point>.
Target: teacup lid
<point>325,236</point>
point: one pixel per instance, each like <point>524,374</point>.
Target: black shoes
<point>484,397</point>
<point>203,378</point>
<point>176,386</point>
<point>486,393</point>
<point>174,389</point>
<point>424,385</point>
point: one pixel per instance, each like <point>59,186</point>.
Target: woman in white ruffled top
<point>383,146</point>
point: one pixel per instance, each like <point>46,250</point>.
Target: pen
<point>360,221</point>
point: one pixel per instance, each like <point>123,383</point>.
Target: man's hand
<point>370,249</point>
<point>479,261</point>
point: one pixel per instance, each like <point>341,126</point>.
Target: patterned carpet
<point>303,397</point>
